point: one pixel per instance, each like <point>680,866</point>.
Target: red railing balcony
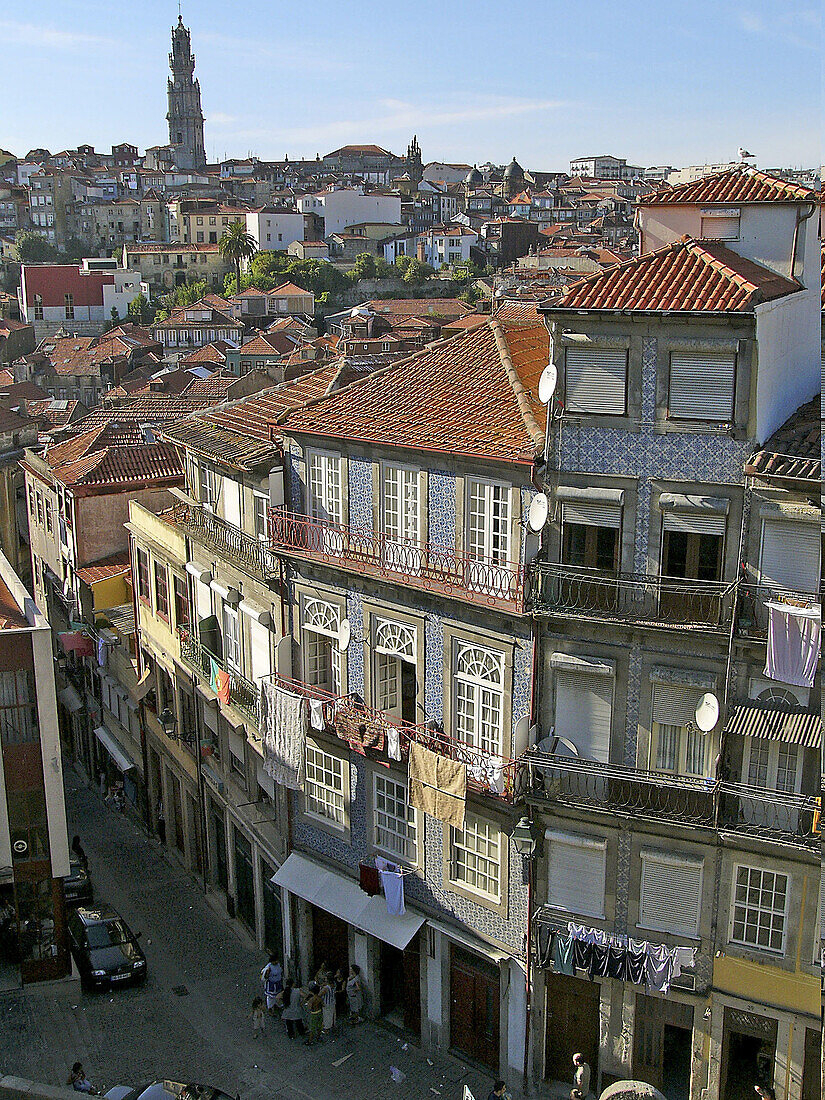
<point>365,730</point>
<point>418,565</point>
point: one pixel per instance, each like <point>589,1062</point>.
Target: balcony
<point>691,802</point>
<point>499,585</point>
<point>638,598</point>
<point>752,618</point>
<point>364,729</point>
<point>237,547</point>
<point>243,694</point>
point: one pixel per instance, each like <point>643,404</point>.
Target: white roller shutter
<point>596,380</point>
<point>695,523</point>
<point>593,515</point>
<point>576,874</point>
<point>790,555</point>
<point>261,648</point>
<point>232,502</point>
<point>675,704</point>
<point>671,894</point>
<point>203,600</point>
<point>584,706</point>
<point>701,385</point>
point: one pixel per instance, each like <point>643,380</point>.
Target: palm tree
<point>235,246</point>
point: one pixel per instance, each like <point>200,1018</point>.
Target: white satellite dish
<point>539,510</point>
<point>344,635</point>
<point>707,712</point>
<point>547,383</point>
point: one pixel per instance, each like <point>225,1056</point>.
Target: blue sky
<point>668,83</point>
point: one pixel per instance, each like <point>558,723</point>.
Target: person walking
<point>77,850</point>
<point>272,976</point>
<point>581,1074</point>
<point>355,994</point>
<point>328,997</point>
<point>293,1012</point>
<point>79,1081</point>
<point>499,1091</point>
<point>258,1017</point>
<point>341,1006</point>
<point>314,1004</point>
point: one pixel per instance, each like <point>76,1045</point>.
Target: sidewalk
<point>191,1019</point>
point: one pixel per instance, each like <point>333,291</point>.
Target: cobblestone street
<point>191,1019</point>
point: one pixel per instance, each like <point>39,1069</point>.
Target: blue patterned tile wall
<point>622,884</point>
<point>360,494</point>
<point>634,690</point>
<point>295,478</point>
<point>355,652</point>
<point>434,669</point>
<point>441,509</point>
<point>522,679</point>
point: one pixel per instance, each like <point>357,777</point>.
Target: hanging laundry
<point>393,743</point>
<point>582,955</point>
<point>793,643</point>
<point>369,879</point>
<point>563,954</point>
<point>437,785</point>
<point>223,688</point>
<point>316,715</point>
<point>282,723</point>
<point>543,944</point>
<point>684,958</point>
<point>392,881</point>
<point>599,959</point>
<point>616,962</point>
<point>659,968</point>
<point>636,962</point>
<point>102,653</point>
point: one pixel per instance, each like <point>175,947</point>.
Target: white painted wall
<point>349,206</point>
<point>516,1009</point>
<point>274,232</point>
<point>788,358</point>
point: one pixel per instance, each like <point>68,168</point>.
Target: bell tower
<point>185,116</point>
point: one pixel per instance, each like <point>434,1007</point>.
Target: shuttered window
<point>671,894</point>
<point>592,515</point>
<point>701,385</point>
<point>695,522</point>
<point>790,555</point>
<point>576,874</point>
<point>584,705</point>
<point>596,380</point>
<point>675,704</point>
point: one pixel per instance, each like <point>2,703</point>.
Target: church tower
<point>414,166</point>
<point>184,116</point>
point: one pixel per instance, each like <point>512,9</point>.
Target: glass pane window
<point>324,785</point>
<point>758,764</point>
<point>161,591</point>
<point>395,824</point>
<point>388,678</point>
<point>322,662</point>
<point>231,638</point>
<point>475,856</point>
<point>667,755</point>
<point>324,483</point>
<point>488,521</point>
<point>786,768</point>
<point>479,698</point>
<point>400,503</point>
<point>759,908</point>
<point>143,575</point>
<point>18,714</point>
<point>261,524</point>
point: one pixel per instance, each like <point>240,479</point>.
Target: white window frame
<point>761,871</point>
<point>478,698</point>
<point>587,404</point>
<point>232,638</point>
<point>400,503</point>
<point>673,863</point>
<point>694,398</point>
<point>489,528</point>
<point>320,621</point>
<point>388,826</point>
<point>468,864</point>
<point>325,487</point>
<point>325,788</point>
<point>774,750</point>
<point>260,501</point>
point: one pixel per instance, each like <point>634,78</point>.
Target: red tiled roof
<point>287,290</point>
<point>123,465</point>
<point>113,566</point>
<point>420,307</point>
<point>53,281</point>
<point>6,378</point>
<point>70,355</point>
<point>215,352</point>
<point>267,344</point>
<point>738,185</point>
<point>216,385</point>
<point>690,276</point>
<point>11,421</point>
<point>56,413</point>
<point>794,450</point>
<point>475,393</point>
<point>11,617</point>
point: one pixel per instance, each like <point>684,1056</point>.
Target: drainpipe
<point>800,218</point>
<point>529,984</point>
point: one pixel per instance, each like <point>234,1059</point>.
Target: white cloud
<point>50,38</point>
<point>798,28</point>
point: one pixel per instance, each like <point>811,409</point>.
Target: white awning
<point>344,898</point>
<point>466,939</point>
<point>123,762</point>
<point>70,699</point>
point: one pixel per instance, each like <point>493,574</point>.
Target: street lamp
<point>524,838</point>
<point>167,721</point>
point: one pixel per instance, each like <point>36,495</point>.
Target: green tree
<point>383,270</point>
<point>139,312</point>
<point>363,268</point>
<point>34,249</point>
<point>236,245</point>
<point>417,271</point>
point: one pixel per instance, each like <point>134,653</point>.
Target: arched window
<point>396,639</point>
<point>479,697</point>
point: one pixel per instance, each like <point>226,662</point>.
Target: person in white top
<point>581,1074</point>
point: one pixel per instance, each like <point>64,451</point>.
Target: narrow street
<point>191,1019</point>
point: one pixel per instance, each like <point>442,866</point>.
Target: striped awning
<point>794,727</point>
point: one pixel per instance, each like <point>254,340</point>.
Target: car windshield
<point>108,933</point>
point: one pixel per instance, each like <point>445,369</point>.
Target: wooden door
<point>811,1067</point>
<point>177,812</point>
<point>412,986</point>
<point>661,1045</point>
<point>572,1026</point>
<point>474,1008</point>
<point>330,941</point>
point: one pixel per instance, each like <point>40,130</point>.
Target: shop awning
<point>793,727</point>
<point>468,940</point>
<point>122,761</point>
<point>344,898</point>
<point>70,699</point>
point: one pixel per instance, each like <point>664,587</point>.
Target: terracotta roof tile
<point>216,385</point>
<point>738,185</point>
<point>794,451</point>
<point>691,276</point>
<point>421,307</point>
<point>214,352</point>
<point>123,465</point>
<point>475,393</point>
<point>113,566</point>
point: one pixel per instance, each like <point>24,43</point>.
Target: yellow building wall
<point>111,592</point>
<point>795,991</point>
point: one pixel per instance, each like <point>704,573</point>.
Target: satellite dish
<point>344,635</point>
<point>539,509</point>
<point>707,712</point>
<point>547,383</point>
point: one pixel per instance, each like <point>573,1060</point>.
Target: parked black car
<point>106,952</point>
<point>77,885</point>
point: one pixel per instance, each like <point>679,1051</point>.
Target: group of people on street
<point>312,1013</point>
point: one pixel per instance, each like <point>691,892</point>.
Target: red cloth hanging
<point>370,879</point>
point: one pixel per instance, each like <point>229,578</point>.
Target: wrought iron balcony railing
<point>752,616</point>
<point>245,551</point>
<point>243,693</point>
<point>694,802</point>
<point>499,584</point>
<point>365,728</point>
<point>559,589</point>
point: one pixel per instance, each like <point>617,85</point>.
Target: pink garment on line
<point>793,644</point>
